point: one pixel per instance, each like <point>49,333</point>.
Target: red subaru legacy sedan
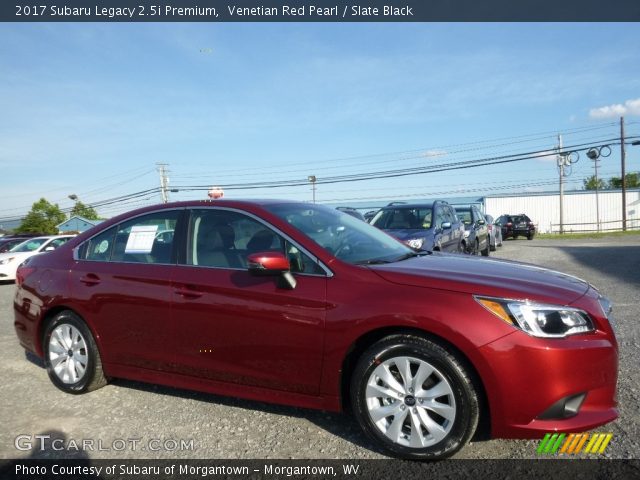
<point>301,304</point>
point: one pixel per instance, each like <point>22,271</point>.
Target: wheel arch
<point>362,343</point>
<point>48,318</point>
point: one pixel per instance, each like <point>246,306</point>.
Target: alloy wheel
<point>410,402</point>
<point>68,353</point>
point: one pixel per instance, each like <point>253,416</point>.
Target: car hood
<point>481,276</point>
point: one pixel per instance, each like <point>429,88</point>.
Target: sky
<point>90,109</point>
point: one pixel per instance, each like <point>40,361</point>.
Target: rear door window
<point>144,239</point>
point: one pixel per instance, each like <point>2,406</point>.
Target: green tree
<point>85,211</point>
<point>590,183</point>
<point>632,181</point>
<point>42,218</point>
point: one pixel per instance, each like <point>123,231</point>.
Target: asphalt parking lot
<point>134,420</point>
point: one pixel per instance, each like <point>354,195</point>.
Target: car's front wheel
<point>414,398</point>
<point>71,355</point>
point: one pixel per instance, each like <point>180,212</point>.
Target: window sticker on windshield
<point>141,239</point>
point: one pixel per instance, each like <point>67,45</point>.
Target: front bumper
<point>529,375</point>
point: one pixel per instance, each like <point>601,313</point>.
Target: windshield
<point>403,218</point>
<point>464,216</point>
<point>342,235</point>
<point>29,245</point>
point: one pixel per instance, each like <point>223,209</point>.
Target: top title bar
<point>320,11</point>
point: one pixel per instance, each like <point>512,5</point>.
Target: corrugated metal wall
<point>579,209</point>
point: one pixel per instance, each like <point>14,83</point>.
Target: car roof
<point>399,206</point>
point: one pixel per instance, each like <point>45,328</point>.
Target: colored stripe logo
<point>574,443</point>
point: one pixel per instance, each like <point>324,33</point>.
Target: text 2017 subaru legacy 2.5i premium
<point>304,305</point>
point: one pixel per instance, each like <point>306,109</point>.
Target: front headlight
<point>4,261</point>
<point>538,319</point>
<point>415,243</point>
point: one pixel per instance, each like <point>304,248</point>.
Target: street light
<point>73,197</point>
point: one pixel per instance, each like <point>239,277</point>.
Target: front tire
<point>414,398</point>
<point>71,355</point>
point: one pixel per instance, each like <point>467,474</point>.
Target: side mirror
<point>265,264</point>
<point>49,249</point>
<point>446,225</point>
<point>481,222</point>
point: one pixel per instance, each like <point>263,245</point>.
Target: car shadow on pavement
<point>339,424</point>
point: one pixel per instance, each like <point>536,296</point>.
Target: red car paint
<point>227,332</point>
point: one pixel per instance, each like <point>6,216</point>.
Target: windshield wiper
<point>373,261</point>
<point>412,255</point>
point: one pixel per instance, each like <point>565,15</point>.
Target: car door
<point>482,231</point>
<point>441,235</point>
<point>121,282</point>
<point>451,236</point>
<point>231,326</point>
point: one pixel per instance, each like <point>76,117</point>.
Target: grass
<point>569,236</point>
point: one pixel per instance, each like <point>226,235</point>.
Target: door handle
<point>90,279</point>
<point>188,293</point>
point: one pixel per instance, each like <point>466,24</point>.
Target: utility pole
<point>595,165</point>
<point>561,164</point>
<point>313,179</point>
<point>624,175</point>
<point>164,181</point>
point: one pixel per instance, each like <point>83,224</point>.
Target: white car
<point>10,260</point>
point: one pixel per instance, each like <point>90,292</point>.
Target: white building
<point>579,209</point>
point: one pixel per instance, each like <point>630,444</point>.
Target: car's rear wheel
<point>414,398</point>
<point>71,355</point>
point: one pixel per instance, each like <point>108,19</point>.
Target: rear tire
<point>71,355</point>
<point>414,398</point>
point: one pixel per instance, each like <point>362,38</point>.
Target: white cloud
<point>630,107</point>
<point>547,156</point>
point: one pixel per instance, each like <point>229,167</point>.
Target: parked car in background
<point>9,261</point>
<point>476,235</point>
<point>514,226</point>
<point>425,226</point>
<point>7,242</point>
<point>296,303</point>
<point>495,233</point>
<point>353,212</point>
<point>369,215</point>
